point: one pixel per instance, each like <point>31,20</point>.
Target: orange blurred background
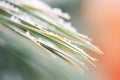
<point>103,20</point>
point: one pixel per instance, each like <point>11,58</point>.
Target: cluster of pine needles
<point>49,29</point>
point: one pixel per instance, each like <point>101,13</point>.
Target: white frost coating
<point>32,3</point>
<point>46,18</point>
<point>13,18</point>
<point>38,4</point>
<point>60,21</point>
<point>26,18</point>
<point>68,26</point>
<point>45,7</point>
<point>59,12</point>
<point>31,21</point>
<point>7,6</point>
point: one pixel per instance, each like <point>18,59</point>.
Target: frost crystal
<point>39,5</point>
<point>13,18</point>
<point>59,12</point>
<point>27,19</point>
<point>7,6</point>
